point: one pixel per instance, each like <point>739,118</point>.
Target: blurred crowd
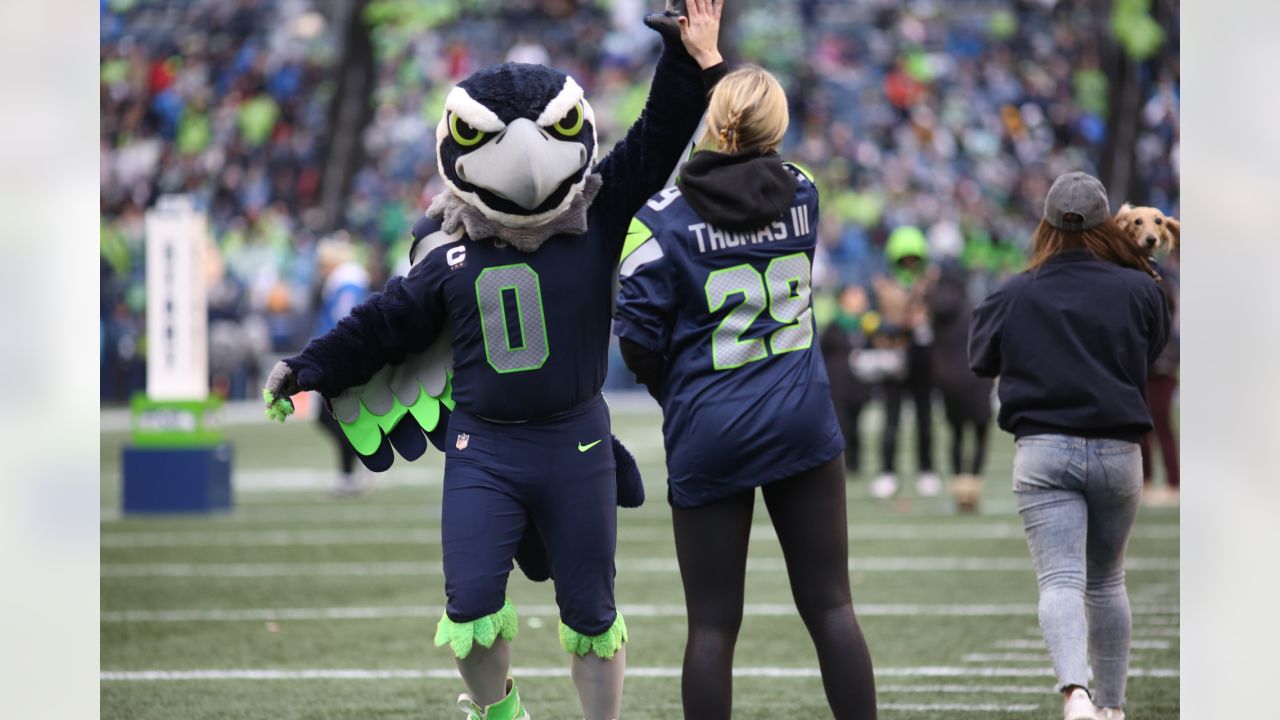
<point>227,100</point>
<point>950,118</point>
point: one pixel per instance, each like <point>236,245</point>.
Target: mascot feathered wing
<point>400,408</point>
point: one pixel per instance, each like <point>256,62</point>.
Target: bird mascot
<point>494,349</point>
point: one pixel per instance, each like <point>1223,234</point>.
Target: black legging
<point>848,412</point>
<point>808,514</point>
<point>346,453</point>
<point>979,446</point>
<point>919,385</point>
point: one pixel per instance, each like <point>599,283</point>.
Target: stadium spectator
<point>842,338</point>
<point>1071,339</point>
<point>343,284</point>
<point>966,398</point>
<point>900,298</point>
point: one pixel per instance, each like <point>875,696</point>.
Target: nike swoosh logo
<point>588,446</point>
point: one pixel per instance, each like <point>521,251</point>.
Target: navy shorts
<point>557,474</point>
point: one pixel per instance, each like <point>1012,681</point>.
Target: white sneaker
<point>1110,714</point>
<point>884,486</point>
<point>928,485</point>
<point>1079,706</point>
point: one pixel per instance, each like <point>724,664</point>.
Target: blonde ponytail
<point>747,111</point>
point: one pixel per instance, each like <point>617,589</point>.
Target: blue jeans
<point>1078,499</point>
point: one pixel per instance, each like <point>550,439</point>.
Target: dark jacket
<point>837,342</point>
<point>1071,342</point>
<point>965,397</point>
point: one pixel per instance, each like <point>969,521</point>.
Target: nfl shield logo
<point>463,439</point>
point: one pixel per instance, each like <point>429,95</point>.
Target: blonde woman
<point>1071,339</point>
<point>714,318</point>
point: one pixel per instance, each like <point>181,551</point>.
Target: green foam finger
<point>426,410</point>
<point>277,408</point>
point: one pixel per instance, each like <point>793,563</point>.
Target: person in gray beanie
<point>1071,339</point>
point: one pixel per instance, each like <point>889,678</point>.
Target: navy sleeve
<point>646,297</point>
<point>985,328</point>
<point>639,165</point>
<point>647,366</point>
<point>406,317</point>
<point>815,205</point>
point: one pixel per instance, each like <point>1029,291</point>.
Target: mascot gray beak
<point>523,164</point>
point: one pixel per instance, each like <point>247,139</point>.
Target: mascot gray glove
<point>282,384</point>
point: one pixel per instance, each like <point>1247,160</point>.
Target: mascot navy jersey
<point>731,314</point>
<point>527,339</point>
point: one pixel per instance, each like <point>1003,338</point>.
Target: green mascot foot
<point>508,708</point>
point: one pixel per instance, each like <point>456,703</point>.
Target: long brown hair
<point>1106,242</point>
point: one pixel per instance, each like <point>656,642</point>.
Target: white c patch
<point>456,255</point>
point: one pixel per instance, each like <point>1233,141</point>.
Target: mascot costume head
<point>516,148</point>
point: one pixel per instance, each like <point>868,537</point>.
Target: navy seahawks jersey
<point>745,395</point>
<point>533,326</point>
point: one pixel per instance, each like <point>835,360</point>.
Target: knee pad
<point>603,645</point>
<point>461,636</point>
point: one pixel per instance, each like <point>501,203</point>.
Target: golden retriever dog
<point>1149,227</point>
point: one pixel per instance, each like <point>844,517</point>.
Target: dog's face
<point>1149,227</point>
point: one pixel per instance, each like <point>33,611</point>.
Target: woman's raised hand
<point>700,31</point>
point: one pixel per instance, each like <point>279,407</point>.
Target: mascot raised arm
<point>494,348</point>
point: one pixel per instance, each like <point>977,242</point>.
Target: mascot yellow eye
<point>571,123</point>
<point>462,133</point>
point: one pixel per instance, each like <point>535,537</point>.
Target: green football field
<point>296,605</point>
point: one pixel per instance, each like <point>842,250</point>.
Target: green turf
<point>396,530</point>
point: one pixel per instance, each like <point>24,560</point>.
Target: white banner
<point>177,304</point>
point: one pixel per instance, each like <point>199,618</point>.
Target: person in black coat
<point>965,396</point>
<point>842,337</point>
<point>1071,340</point>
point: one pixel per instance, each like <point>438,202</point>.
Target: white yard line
<point>632,672</point>
<point>431,534</point>
<point>1032,644</point>
<point>347,511</point>
<point>1014,657</point>
<point>1004,657</point>
<point>272,538</point>
<point>958,707</point>
<point>628,565</point>
<point>637,610</point>
<point>271,570</point>
<point>968,689</point>
<point>1167,632</point>
<point>292,480</point>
